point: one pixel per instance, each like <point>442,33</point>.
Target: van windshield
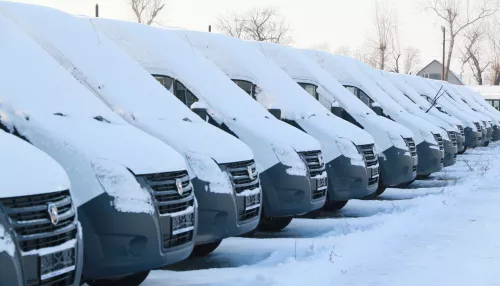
<point>178,89</point>
<point>310,88</point>
<point>247,86</point>
<point>361,95</point>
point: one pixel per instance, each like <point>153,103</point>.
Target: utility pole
<point>444,51</point>
<point>97,10</point>
<point>209,28</point>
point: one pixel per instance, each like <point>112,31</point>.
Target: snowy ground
<point>441,231</point>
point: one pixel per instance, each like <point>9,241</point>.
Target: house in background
<point>433,71</point>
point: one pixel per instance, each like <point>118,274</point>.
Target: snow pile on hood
<point>120,184</point>
<point>239,60</point>
<point>27,170</point>
<point>6,243</point>
<point>207,170</point>
<point>296,166</point>
<point>161,52</point>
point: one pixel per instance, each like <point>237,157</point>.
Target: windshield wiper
<point>101,119</point>
<point>434,101</point>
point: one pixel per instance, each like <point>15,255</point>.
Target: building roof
<point>439,63</point>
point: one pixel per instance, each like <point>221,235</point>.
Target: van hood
<point>196,137</point>
<point>120,143</point>
<point>333,126</point>
<point>28,171</point>
<point>390,126</point>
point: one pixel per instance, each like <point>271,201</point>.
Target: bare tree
<point>411,59</point>
<point>396,52</point>
<point>494,44</point>
<point>368,55</point>
<point>458,15</point>
<point>473,52</point>
<point>325,47</point>
<point>146,11</point>
<point>259,24</point>
<point>384,32</point>
<point>343,50</point>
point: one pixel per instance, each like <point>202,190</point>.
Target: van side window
<point>310,88</point>
<point>178,89</point>
<point>247,86</point>
<point>183,94</point>
<point>361,95</point>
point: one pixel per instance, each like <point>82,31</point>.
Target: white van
<point>344,145</point>
<point>292,171</point>
<point>397,154</point>
<point>229,202</point>
<point>475,101</point>
<point>38,220</point>
<point>435,97</point>
<point>349,72</point>
<point>426,107</point>
<point>113,167</point>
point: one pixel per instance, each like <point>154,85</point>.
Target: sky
<point>335,23</point>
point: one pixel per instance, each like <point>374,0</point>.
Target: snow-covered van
<point>345,146</point>
<point>435,97</point>
<point>290,162</point>
<point>40,236</point>
<point>486,120</point>
<point>222,168</point>
<point>396,150</point>
<point>447,93</point>
<point>349,72</point>
<point>396,90</point>
<point>114,168</point>
<point>456,135</point>
<point>469,97</point>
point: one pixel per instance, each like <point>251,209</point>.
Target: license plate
<point>252,202</point>
<point>182,223</point>
<point>322,182</point>
<point>58,263</point>
<point>374,172</point>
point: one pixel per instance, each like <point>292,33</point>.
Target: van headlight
<point>348,149</point>
<point>397,141</point>
<point>428,136</point>
<point>291,159</point>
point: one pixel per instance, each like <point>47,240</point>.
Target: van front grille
<point>411,146</point>
<point>461,128</point>
<point>315,162</point>
<point>243,175</point>
<point>439,140</point>
<point>453,137</point>
<point>170,241</point>
<point>478,126</point>
<point>371,159</point>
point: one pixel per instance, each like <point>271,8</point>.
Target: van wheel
<point>131,280</point>
<point>249,234</point>
<point>205,249</point>
<point>423,177</point>
<point>274,223</point>
<point>485,144</point>
<point>462,152</point>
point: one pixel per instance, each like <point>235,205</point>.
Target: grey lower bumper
<point>119,244</point>
<point>472,138</point>
<point>496,133</point>
<point>460,142</point>
<point>287,195</point>
<point>484,136</point>
<point>219,215</point>
<point>450,153</point>
<point>430,158</point>
<point>347,182</point>
<point>397,167</point>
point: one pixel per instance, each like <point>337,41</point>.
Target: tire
<point>131,280</point>
<point>334,206</point>
<point>274,224</point>
<point>462,152</point>
<point>404,185</point>
<point>249,234</point>
<point>485,144</point>
<point>205,249</point>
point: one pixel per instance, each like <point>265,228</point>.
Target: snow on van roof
<point>239,60</point>
<point>122,83</point>
<point>161,52</point>
<point>26,170</point>
<point>53,101</point>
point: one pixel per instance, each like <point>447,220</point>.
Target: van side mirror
<point>337,110</point>
<point>202,112</point>
<point>439,108</point>
<point>377,109</point>
<point>275,112</point>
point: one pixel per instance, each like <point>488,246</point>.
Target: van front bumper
<point>119,244</point>
<point>287,195</point>
<point>430,158</point>
<point>397,166</point>
<point>496,133</point>
<point>460,142</point>
<point>450,153</point>
<point>472,138</point>
<point>347,181</point>
<point>219,214</point>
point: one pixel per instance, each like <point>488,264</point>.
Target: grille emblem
<point>250,173</point>
<point>320,160</point>
<point>53,213</point>
<point>178,183</point>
